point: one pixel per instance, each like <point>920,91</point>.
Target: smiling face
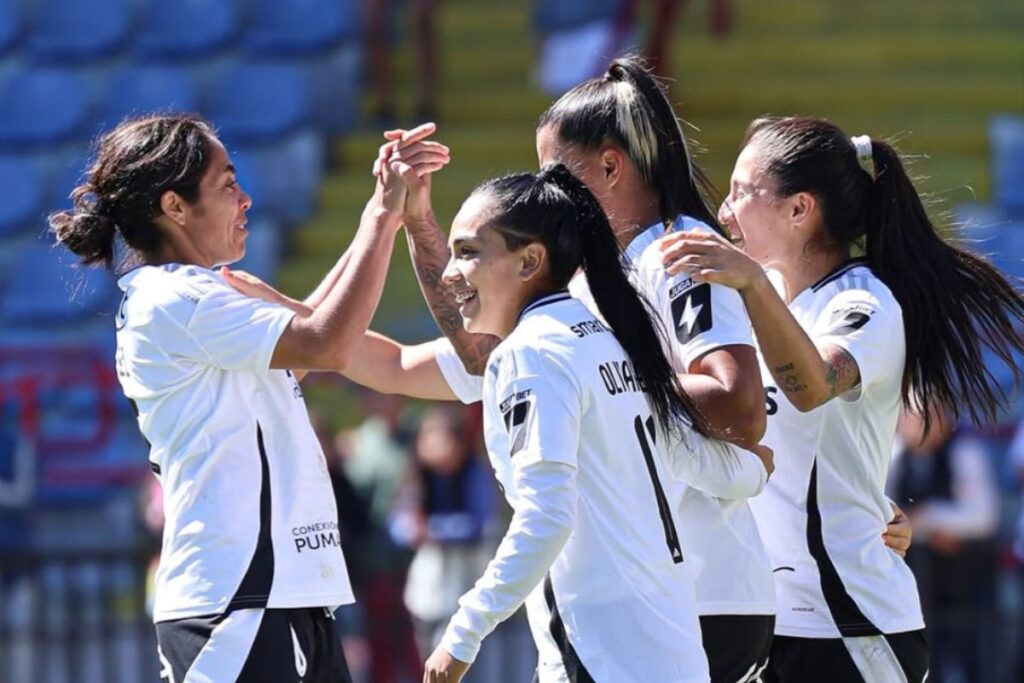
<point>215,223</point>
<point>486,277</point>
<point>752,213</point>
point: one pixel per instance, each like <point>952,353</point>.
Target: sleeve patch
<point>848,320</point>
<point>691,312</point>
<point>517,413</point>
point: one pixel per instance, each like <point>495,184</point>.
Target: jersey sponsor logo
<point>517,411</point>
<point>691,313</point>
<point>849,319</point>
<point>588,327</point>
<point>680,287</point>
<point>316,536</point>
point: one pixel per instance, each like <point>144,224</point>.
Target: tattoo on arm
<point>784,368</point>
<point>429,253</point>
<point>842,374</point>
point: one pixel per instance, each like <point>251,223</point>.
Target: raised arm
<point>809,376</point>
<point>376,362</point>
<point>428,249</point>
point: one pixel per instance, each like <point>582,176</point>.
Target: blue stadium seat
<point>285,177</point>
<point>72,31</point>
<point>255,102</point>
<point>300,27</point>
<point>141,89</point>
<point>42,108</point>
<point>335,81</point>
<point>10,24</point>
<point>1006,133</point>
<point>43,290</point>
<point>21,195</point>
<point>186,29</point>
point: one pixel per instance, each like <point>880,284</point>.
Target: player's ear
<point>532,259</point>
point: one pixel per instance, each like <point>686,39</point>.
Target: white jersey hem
<point>894,626</point>
<point>331,600</point>
<point>740,609</point>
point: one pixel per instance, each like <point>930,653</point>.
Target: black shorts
<point>253,646</point>
<point>737,646</point>
<point>889,658</point>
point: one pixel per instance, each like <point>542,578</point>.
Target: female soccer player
<point>251,567</point>
<point>620,135</point>
<point>844,341</point>
<point>577,412</point>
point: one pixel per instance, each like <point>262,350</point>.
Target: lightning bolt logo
<point>689,316</point>
<point>691,312</point>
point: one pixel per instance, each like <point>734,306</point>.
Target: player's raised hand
<point>708,258</point>
<point>391,186</point>
<point>441,667</point>
<point>415,160</point>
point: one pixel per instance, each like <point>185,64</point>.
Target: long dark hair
<point>954,302</point>
<point>556,209</point>
<point>629,107</point>
<point>134,165</point>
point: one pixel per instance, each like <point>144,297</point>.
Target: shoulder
<point>541,345</point>
<point>857,288</point>
<point>175,291</point>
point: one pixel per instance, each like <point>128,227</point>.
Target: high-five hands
<point>408,156</point>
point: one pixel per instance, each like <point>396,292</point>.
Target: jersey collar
<point>543,300</point>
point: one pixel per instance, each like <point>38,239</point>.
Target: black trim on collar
<point>544,300</point>
<point>840,270</point>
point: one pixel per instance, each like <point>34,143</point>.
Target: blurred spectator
<point>451,504</point>
<point>945,482</point>
<point>663,26</point>
<point>376,465</point>
<point>579,38</point>
<point>1016,459</point>
<point>382,36</point>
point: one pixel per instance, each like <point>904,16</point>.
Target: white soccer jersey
<point>251,519</point>
<point>823,513</point>
<point>731,564</point>
<point>592,546</point>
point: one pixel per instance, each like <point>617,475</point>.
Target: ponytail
<point>954,303</point>
<point>630,108</point>
<point>87,233</point>
<point>556,209</point>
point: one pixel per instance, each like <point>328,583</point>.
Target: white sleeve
<point>543,519</point>
<point>541,410</point>
<point>466,387</point>
<point>868,328</point>
<point>236,332</point>
<point>698,317</point>
<point>717,468</point>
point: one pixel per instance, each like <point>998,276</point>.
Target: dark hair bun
<point>88,234</point>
